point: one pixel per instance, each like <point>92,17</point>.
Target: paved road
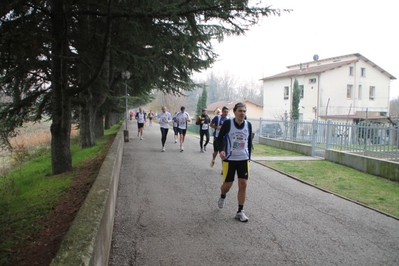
<point>167,214</point>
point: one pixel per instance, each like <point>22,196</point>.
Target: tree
<point>296,97</point>
<point>229,88</point>
<point>172,102</point>
<point>56,55</point>
<point>201,104</point>
<point>394,110</point>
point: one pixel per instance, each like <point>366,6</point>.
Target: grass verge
<point>373,191</point>
<point>29,192</point>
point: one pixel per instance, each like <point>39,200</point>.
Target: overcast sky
<point>326,28</point>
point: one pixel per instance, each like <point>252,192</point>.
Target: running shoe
<point>241,216</point>
<point>212,163</point>
<point>221,203</point>
<point>163,148</point>
<point>204,148</point>
<point>141,138</point>
<point>181,148</point>
<point>175,141</point>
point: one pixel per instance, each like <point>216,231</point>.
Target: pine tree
<point>296,97</point>
<point>58,55</point>
<point>202,101</point>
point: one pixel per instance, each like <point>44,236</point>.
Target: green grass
<point>264,150</point>
<point>373,191</point>
<point>29,192</point>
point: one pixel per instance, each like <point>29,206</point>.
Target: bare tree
<point>394,108</point>
<point>172,102</point>
<point>250,90</point>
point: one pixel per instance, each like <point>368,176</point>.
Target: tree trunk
<point>99,125</point>
<point>61,159</point>
<point>94,98</point>
<point>108,121</point>
<point>86,121</point>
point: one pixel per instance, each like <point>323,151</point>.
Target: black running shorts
<point>182,131</point>
<point>231,167</point>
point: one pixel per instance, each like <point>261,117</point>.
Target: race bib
<point>238,142</point>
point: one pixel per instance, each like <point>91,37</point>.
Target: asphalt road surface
<point>167,214</point>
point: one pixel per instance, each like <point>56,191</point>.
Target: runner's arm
<point>220,142</point>
<point>198,121</point>
<point>250,140</point>
<point>213,122</point>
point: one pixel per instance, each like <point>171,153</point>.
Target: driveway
<point>167,214</point>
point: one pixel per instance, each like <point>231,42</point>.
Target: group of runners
<point>232,140</point>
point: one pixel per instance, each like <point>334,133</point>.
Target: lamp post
<point>126,75</point>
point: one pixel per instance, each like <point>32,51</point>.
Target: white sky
<point>324,27</point>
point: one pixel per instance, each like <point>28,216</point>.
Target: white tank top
<point>237,142</point>
<point>141,118</point>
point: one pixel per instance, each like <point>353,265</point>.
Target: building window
<point>349,89</point>
<point>302,91</point>
<point>351,71</point>
<point>286,92</point>
<point>311,81</point>
<point>363,72</point>
<point>359,92</point>
<point>372,92</point>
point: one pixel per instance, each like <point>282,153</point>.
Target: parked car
<point>272,130</point>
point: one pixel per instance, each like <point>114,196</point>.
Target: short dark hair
<point>239,105</point>
<point>225,108</point>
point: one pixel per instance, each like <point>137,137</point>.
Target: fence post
<point>397,141</point>
<point>314,136</point>
<point>329,133</point>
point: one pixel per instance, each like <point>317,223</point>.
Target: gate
<point>320,136</point>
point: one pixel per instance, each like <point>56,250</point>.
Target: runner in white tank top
<point>234,143</point>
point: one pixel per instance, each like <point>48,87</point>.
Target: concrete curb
<point>88,240</point>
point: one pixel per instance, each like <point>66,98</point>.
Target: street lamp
<point>126,75</point>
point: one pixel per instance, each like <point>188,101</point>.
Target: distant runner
<point>203,121</point>
<point>140,117</point>
<point>164,119</point>
<point>182,118</point>
<point>217,123</point>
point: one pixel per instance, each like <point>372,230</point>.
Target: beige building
<point>345,87</point>
<point>254,110</point>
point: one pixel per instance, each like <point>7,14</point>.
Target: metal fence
<point>364,138</point>
<point>368,139</point>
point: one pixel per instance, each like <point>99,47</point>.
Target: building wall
<point>310,92</point>
<point>274,104</point>
<point>254,111</point>
<point>333,87</point>
<point>328,95</point>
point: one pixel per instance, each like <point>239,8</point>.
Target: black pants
<point>164,133</point>
<point>202,134</point>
